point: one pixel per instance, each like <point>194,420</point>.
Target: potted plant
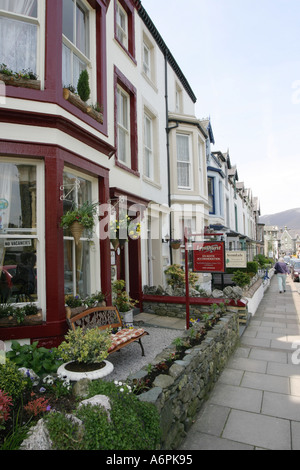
<point>79,219</point>
<point>23,78</point>
<point>175,243</point>
<point>85,352</point>
<point>95,300</point>
<point>123,302</point>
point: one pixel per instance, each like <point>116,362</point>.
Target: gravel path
<point>129,359</point>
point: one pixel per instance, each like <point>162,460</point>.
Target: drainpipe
<point>168,129</point>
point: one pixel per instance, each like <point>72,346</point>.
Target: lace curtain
<point>18,39</point>
<point>183,161</point>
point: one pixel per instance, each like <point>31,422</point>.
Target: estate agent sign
<point>209,257</point>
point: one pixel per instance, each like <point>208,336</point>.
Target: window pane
<point>21,7</point>
<point>183,148</point>
<point>18,44</point>
<point>122,145</point>
<point>77,268</point>
<point>78,67</point>
<point>17,198</point>
<point>183,176</point>
<point>81,30</point>
<point>66,66</point>
<point>68,19</point>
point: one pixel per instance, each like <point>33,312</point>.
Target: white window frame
<point>39,21</point>
<point>186,162</point>
<point>123,127</point>
<point>146,60</point>
<point>39,234</point>
<point>122,29</point>
<point>148,148</point>
<point>89,59</point>
<point>95,273</point>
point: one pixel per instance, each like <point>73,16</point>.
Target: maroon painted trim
<point>53,92</point>
<point>192,300</point>
<point>130,10</point>
<point>120,79</point>
<point>30,118</point>
<point>55,160</point>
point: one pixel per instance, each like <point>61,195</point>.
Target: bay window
<point>80,260</point>
<point>20,41</point>
<point>183,161</point>
<point>76,43</point>
<point>21,232</point>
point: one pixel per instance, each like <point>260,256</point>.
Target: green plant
<point>83,87</point>
<point>93,299</point>
<point>27,74</point>
<point>83,214</point>
<point>241,279</point>
<point>252,267</point>
<point>176,276</point>
<point>64,432</point>
<point>122,300</point>
<point>73,301</point>
<point>40,360</point>
<point>12,381</point>
<point>86,346</point>
<point>17,313</point>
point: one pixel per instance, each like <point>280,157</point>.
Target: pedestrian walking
<point>282,271</point>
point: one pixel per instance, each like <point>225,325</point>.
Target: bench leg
<point>142,347</point>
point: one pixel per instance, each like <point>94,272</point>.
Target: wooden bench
<point>107,317</point>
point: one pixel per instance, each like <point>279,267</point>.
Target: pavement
<point>255,403</point>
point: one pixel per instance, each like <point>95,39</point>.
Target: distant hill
<point>289,218</point>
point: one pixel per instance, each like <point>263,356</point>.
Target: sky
<point>242,61</point>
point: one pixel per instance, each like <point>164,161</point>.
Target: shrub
<point>12,381</point>
<point>252,267</point>
<point>176,276</point>
<point>5,404</point>
<point>83,87</point>
<point>133,425</point>
<point>241,279</point>
<point>87,346</point>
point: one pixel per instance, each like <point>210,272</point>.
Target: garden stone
<point>38,439</point>
<point>30,373</point>
<point>81,388</point>
<point>163,381</point>
<point>217,294</point>
<point>98,400</point>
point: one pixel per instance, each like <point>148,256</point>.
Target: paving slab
<point>255,403</point>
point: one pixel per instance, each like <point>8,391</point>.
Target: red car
<point>295,271</point>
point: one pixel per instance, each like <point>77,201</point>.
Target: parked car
<point>295,271</point>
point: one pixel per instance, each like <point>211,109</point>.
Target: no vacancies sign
<point>209,257</point>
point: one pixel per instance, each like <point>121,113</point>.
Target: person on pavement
<point>282,271</point>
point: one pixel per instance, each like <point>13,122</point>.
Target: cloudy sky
<point>242,60</point>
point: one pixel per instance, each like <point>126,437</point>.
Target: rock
<point>30,374</point>
<point>228,291</point>
<point>38,439</point>
<point>81,388</point>
<point>163,381</point>
<point>98,400</point>
<point>217,294</point>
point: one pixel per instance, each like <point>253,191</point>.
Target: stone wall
<point>180,394</point>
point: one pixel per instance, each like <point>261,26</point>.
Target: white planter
<point>92,375</point>
<point>127,318</point>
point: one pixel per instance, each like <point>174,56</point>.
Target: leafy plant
<point>83,214</point>
<point>5,405</point>
<point>73,301</point>
<point>86,346</point>
<point>83,87</point>
<point>176,276</point>
<point>17,313</point>
<point>12,381</point>
<point>93,299</point>
<point>122,300</point>
<point>241,279</point>
<point>37,406</point>
<point>40,360</point>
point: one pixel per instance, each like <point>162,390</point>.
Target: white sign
<point>14,243</point>
<point>236,259</point>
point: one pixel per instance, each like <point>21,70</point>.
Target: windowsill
<point>77,101</point>
<point>151,182</point>
<point>130,55</point>
<point>125,167</point>
<point>149,81</point>
<point>20,82</point>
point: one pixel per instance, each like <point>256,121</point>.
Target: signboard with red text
<point>209,257</point>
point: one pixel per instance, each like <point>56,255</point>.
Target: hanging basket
<point>76,230</point>
<point>175,246</point>
<point>115,243</point>
<point>122,241</point>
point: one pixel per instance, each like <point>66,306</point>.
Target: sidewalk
<point>256,402</point>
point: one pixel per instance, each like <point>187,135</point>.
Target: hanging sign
<point>209,257</point>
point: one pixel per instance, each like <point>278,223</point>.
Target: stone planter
<point>20,82</point>
<point>89,374</point>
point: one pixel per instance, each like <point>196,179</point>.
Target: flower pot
<point>175,246</point>
<point>127,318</point>
<point>76,230</point>
<point>74,375</point>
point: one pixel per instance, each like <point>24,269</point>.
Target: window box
<point>29,320</point>
<point>86,108</point>
<point>20,82</point>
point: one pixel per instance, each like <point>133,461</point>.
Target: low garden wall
<point>180,393</point>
